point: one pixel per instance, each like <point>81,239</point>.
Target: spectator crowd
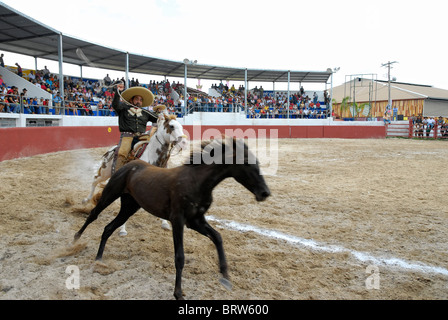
<point>87,97</point>
<point>429,127</point>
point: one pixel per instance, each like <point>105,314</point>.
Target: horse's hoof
<point>165,225</point>
<point>123,233</point>
<point>226,283</point>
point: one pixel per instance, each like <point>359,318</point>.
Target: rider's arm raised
<point>116,104</point>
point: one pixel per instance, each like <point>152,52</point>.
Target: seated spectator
<point>102,111</point>
<point>12,100</point>
<point>24,101</point>
<point>35,107</point>
<point>2,103</point>
<point>419,130</point>
<point>72,106</point>
<point>386,117</point>
<point>45,106</point>
<point>31,76</point>
<point>87,109</point>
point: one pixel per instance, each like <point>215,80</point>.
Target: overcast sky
<point>357,36</point>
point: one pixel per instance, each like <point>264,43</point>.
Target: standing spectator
<point>57,102</point>
<point>19,70</point>
<point>182,105</point>
<point>2,63</point>
<point>107,80</point>
<point>45,73</point>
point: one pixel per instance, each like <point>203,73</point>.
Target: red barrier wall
<point>204,132</point>
<point>25,142</point>
<point>342,132</point>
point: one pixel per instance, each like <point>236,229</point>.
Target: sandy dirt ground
<point>347,219</point>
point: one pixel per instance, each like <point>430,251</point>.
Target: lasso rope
<point>127,102</point>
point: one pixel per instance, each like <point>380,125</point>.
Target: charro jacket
<point>129,121</point>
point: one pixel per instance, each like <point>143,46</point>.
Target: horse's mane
<point>197,155</point>
<point>169,117</point>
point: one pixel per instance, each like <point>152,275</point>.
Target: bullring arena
<point>347,219</point>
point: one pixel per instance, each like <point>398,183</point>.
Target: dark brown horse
<point>181,195</point>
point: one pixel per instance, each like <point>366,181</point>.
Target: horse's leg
<point>103,173</point>
<point>123,231</point>
<point>94,184</point>
<point>128,207</point>
<point>165,225</point>
<point>103,203</point>
<point>179,258</point>
<point>109,195</point>
<point>201,225</point>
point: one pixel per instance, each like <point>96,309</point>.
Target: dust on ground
<point>368,219</point>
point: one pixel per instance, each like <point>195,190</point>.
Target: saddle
<point>138,147</point>
<point>138,150</point>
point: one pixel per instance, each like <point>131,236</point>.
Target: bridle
<point>171,144</point>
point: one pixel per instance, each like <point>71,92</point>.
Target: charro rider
<point>132,119</point>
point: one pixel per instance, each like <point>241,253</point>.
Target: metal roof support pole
<point>127,71</point>
<point>61,73</point>
<point>331,96</point>
<point>287,102</point>
<point>245,91</point>
<point>185,91</point>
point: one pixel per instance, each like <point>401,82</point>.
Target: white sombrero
<point>147,96</point>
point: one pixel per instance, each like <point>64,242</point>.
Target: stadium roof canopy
<point>24,35</point>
